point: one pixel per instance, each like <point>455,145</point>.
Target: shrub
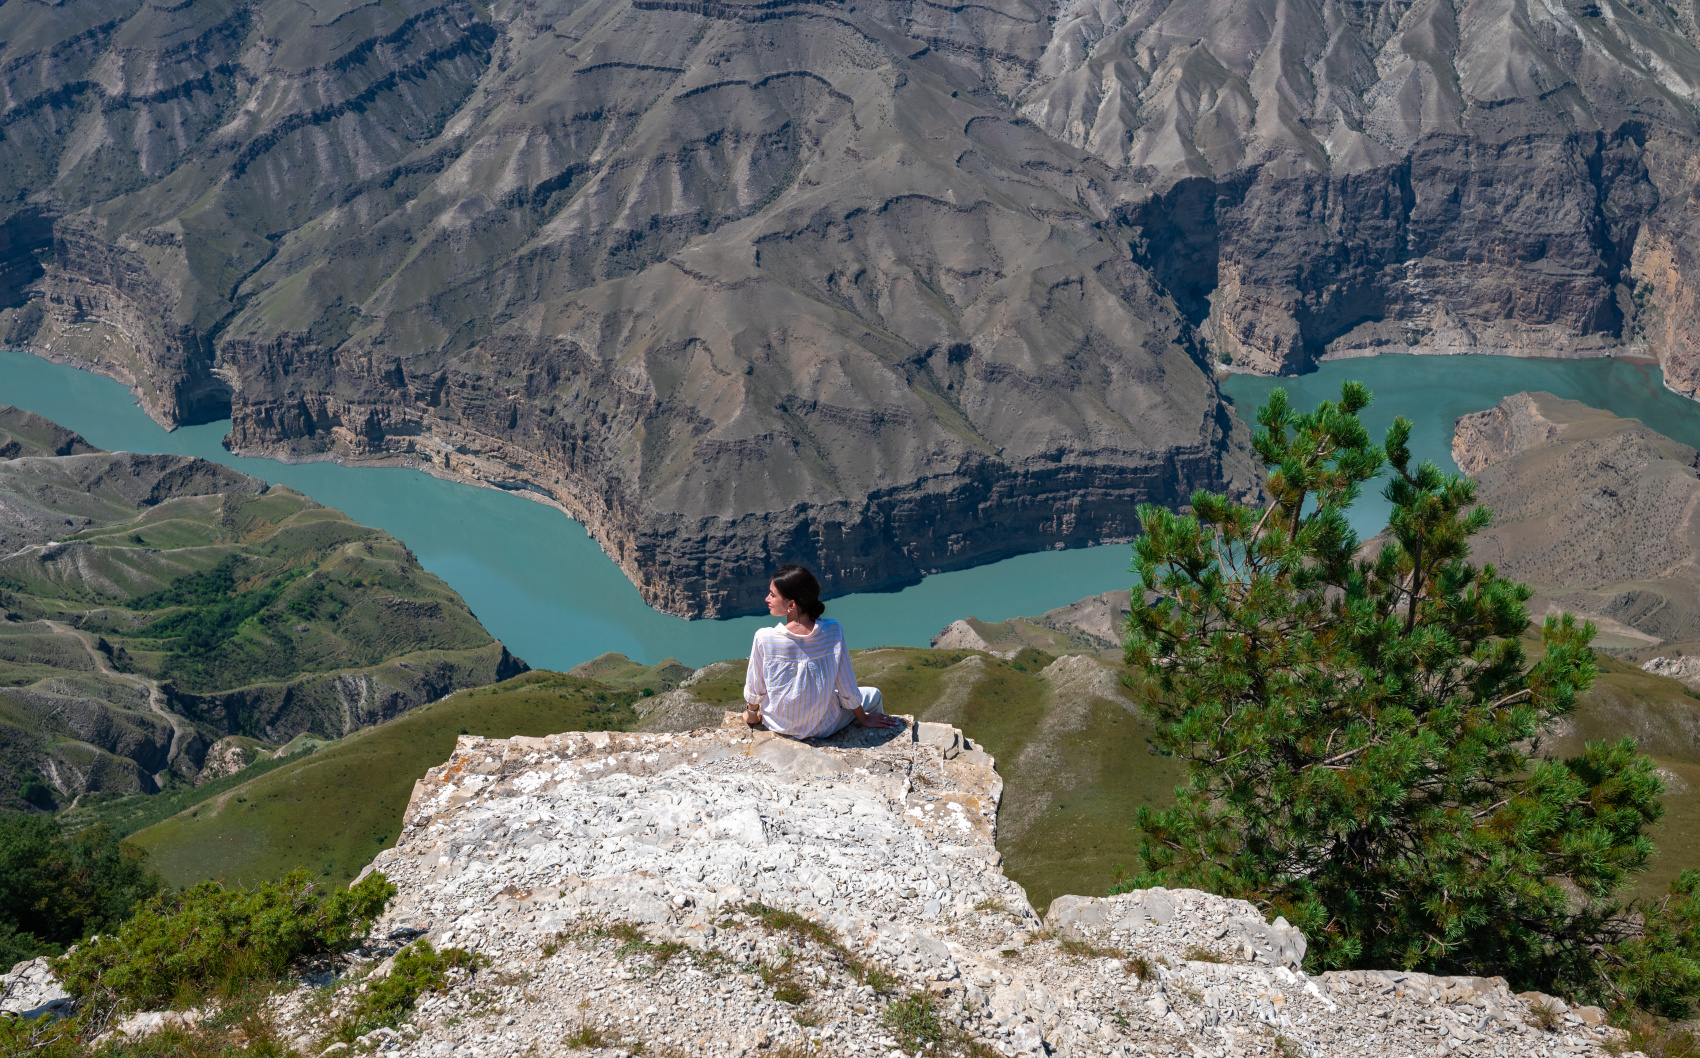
<point>1358,723</point>
<point>417,969</point>
<point>42,1038</point>
<point>179,949</point>
<point>915,1022</point>
<point>56,888</point>
<point>1657,970</point>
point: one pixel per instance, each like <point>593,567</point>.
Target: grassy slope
<point>1071,749</point>
<point>1064,759</point>
<point>333,810</point>
<point>126,815</point>
<point>1664,719</point>
<point>347,596</point>
<point>1073,758</point>
<point>617,670</point>
<point>307,596</point>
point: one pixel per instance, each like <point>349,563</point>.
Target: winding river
<point>541,585</point>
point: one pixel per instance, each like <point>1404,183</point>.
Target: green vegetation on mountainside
<point>57,888</point>
<point>152,606</point>
<point>1363,731</point>
<point>1073,751</point>
<point>1663,717</point>
<point>1063,736</point>
<point>617,670</point>
<point>269,587</point>
<point>124,814</point>
<point>335,809</point>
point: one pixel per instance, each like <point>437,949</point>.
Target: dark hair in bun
<point>798,585</point>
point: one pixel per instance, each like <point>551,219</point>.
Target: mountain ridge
<point>884,287</point>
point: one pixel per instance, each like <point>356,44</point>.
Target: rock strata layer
<point>887,286</point>
<point>626,888</point>
<point>1600,514</point>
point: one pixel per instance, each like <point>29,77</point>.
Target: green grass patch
<point>127,814</point>
<point>304,814</point>
<point>807,931</point>
<point>383,1003</point>
<point>631,940</point>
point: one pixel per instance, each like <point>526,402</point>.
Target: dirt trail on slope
<point>156,697</point>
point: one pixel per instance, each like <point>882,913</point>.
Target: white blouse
<point>801,684</point>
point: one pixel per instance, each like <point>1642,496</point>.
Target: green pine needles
<point>1362,728</point>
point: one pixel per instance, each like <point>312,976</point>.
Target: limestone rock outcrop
<point>1683,669</point>
<point>959,635</point>
<point>30,990</point>
<point>731,893</point>
<point>1600,514</point>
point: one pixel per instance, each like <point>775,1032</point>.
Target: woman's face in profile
<point>777,604</point>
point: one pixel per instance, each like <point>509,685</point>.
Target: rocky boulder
<point>30,990</point>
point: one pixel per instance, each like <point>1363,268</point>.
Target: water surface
<point>534,576</point>
<point>542,586</point>
<point>1433,391</point>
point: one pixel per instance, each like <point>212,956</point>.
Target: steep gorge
<point>887,287</point>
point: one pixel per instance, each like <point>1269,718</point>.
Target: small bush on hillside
<point>418,968</point>
<point>56,888</point>
<point>1658,970</point>
<point>41,1038</point>
<point>207,940</point>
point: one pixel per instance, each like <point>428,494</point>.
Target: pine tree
<point>1362,724</point>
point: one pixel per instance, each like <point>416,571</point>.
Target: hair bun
<point>798,585</point>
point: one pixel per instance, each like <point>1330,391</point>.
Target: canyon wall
<point>886,286</point>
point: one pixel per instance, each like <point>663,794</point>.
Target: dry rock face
<point>886,287</point>
<point>609,877</point>
<point>1597,512</point>
<point>1684,669</point>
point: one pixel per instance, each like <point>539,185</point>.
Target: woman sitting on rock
<point>800,682</point>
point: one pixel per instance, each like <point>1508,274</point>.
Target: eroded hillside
<point>163,619</point>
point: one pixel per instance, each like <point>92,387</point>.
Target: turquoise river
<point>541,585</point>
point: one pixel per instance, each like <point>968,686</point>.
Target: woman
<point>799,681</point>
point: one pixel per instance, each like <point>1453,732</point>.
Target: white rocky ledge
<point>544,853</point>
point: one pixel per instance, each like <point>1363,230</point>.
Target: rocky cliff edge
<point>625,887</point>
